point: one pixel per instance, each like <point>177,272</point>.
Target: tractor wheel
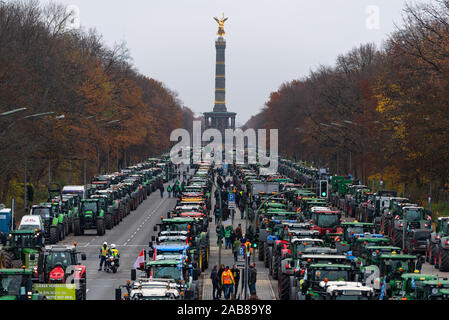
<point>53,235</point>
<point>261,251</point>
<point>444,260</point>
<point>433,254</point>
<point>284,288</point>
<point>6,259</point>
<point>276,265</point>
<point>100,227</point>
<point>108,222</point>
<point>397,238</point>
<point>76,227</point>
<point>70,225</point>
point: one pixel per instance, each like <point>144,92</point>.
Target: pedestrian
<point>236,247</point>
<point>232,237</point>
<point>215,283</point>
<point>252,278</point>
<point>228,282</point>
<point>104,252</point>
<point>238,231</point>
<point>161,189</point>
<point>216,213</point>
<point>228,230</point>
<point>236,275</point>
<point>220,287</point>
<point>169,189</point>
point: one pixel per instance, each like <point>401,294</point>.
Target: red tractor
<point>61,265</point>
<point>326,221</point>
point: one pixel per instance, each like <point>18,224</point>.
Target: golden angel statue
<point>221,22</point>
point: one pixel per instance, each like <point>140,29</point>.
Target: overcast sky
<point>268,41</point>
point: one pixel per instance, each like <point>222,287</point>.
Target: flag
<point>139,260</point>
<point>382,291</point>
<point>155,253</point>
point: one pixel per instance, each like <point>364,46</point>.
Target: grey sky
<point>268,41</point>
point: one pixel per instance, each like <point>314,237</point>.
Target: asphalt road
<point>130,237</point>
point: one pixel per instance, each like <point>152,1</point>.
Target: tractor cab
<point>59,262</point>
<point>412,286</point>
<point>436,289</point>
<point>22,249</point>
<point>17,284</point>
<point>326,222</point>
<point>393,266</point>
<point>316,274</point>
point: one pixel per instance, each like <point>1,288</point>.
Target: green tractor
<point>56,224</point>
<point>198,236</point>
<point>437,251</point>
<point>17,284</point>
<point>22,249</point>
<point>91,216</point>
<point>349,230</point>
<point>412,286</point>
<point>179,271</point>
<point>388,215</point>
<point>391,267</point>
<point>106,205</point>
<point>436,289</point>
<point>411,223</point>
<point>312,286</point>
<point>70,207</point>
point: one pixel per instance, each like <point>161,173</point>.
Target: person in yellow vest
<point>227,282</point>
<point>115,254</point>
<point>104,251</point>
<point>248,246</point>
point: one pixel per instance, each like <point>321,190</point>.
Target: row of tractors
<point>179,251</point>
<point>34,266</point>
<point>316,253</point>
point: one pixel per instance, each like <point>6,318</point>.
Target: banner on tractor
<point>56,291</point>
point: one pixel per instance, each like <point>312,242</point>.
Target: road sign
<point>231,200</point>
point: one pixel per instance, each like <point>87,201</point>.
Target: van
<point>31,222</point>
<point>79,190</point>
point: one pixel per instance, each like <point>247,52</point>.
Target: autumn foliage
<point>378,112</point>
<point>102,107</point>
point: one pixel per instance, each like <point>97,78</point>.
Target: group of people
<point>226,281</point>
<point>106,251</point>
<point>177,188</point>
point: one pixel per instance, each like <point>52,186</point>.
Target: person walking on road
<point>161,189</point>
<point>238,231</point>
<point>215,283</point>
<point>220,287</point>
<point>236,247</point>
<point>236,274</point>
<point>228,230</point>
<point>104,252</point>
<point>169,191</point>
<point>252,279</point>
<point>228,282</point>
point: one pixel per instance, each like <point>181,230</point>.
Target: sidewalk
<point>264,285</point>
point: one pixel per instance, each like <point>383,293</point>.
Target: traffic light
<point>323,188</point>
